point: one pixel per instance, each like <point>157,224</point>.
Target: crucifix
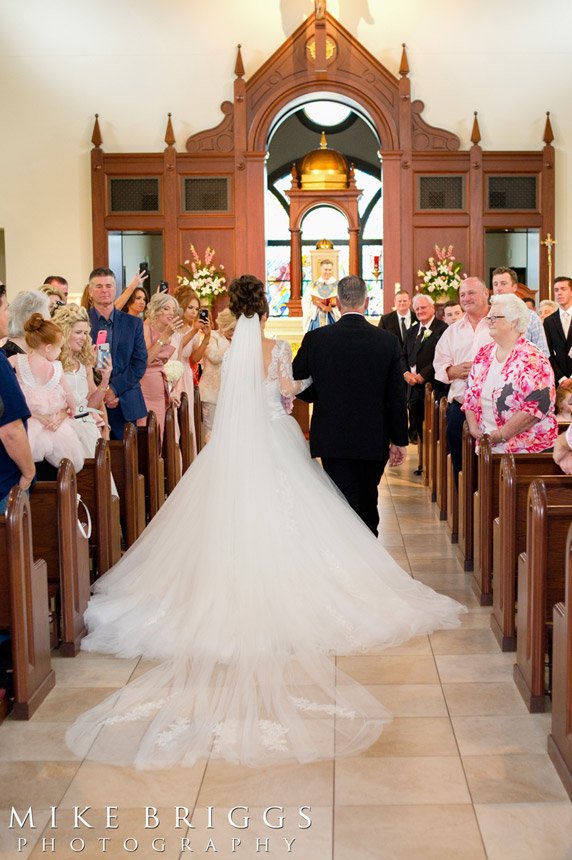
<point>549,242</point>
<point>320,6</point>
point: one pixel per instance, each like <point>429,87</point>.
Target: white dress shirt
<point>459,343</point>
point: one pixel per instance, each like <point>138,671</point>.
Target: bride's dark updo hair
<point>248,297</point>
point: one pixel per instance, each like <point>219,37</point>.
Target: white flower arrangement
<point>173,371</point>
<point>205,280</point>
<point>443,277</point>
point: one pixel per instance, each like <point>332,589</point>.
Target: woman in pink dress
<point>189,338</point>
<point>160,325</point>
<point>50,401</point>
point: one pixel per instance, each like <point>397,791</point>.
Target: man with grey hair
<point>360,418</point>
<point>418,355</point>
<point>454,356</point>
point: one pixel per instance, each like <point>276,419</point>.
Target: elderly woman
<point>510,390</point>
<point>21,309</point>
<point>161,323</point>
<point>546,308</point>
<point>217,343</point>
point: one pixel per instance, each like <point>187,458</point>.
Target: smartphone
<point>163,287</point>
<point>143,268</point>
<point>204,314</point>
<point>102,349</point>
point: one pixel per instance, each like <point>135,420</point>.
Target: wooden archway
<point>321,56</point>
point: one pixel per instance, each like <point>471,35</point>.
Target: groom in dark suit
<point>123,398</point>
<point>558,330</point>
<point>418,355</point>
<point>360,418</point>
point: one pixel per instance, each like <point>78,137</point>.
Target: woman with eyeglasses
<point>510,391</point>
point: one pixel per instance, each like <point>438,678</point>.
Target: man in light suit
<point>399,321</point>
<point>123,398</point>
<point>360,418</point>
<point>558,330</point>
<point>418,354</point>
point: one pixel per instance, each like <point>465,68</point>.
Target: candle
<point>376,262</point>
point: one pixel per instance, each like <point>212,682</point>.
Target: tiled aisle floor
<point>461,772</point>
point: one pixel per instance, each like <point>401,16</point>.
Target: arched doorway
<point>295,131</point>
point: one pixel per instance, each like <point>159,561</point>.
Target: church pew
<point>467,487</point>
<point>441,465</point>
<point>24,610</point>
<point>452,502</point>
<point>130,484</point>
<point>486,508</point>
<point>185,434</point>
<point>433,439</point>
<point>560,738</point>
<point>60,539</point>
<point>540,585</point>
<point>509,537</point>
<point>151,465</point>
<point>198,419</point>
<point>171,452</point>
<point>427,417</point>
<point>94,487</point>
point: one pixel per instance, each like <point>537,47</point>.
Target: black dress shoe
<point>413,437</point>
<point>418,472</point>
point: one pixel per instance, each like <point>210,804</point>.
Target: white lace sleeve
<point>289,387</point>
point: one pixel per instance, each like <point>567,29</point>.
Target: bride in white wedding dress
<point>253,575</point>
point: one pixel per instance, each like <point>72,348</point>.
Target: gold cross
<point>548,243</point>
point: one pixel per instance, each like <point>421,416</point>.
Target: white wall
<point>132,61</point>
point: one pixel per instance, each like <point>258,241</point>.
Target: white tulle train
<point>253,575</point>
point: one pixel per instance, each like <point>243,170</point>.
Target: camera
<point>204,315</point>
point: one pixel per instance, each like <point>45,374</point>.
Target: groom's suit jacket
<point>559,346</point>
<point>358,390</point>
<point>419,353</point>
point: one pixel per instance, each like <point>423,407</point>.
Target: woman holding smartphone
<point>212,350</point>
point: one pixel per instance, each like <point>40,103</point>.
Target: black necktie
<point>403,329</point>
<point>420,334</point>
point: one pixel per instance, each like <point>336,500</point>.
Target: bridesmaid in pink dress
<point>161,323</point>
<point>50,401</point>
<point>189,338</point>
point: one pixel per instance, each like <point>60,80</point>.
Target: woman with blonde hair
<point>191,330</point>
<point>77,358</point>
<point>161,323</point>
<point>216,344</point>
<point>56,298</point>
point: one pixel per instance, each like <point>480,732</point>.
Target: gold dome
<point>324,245</point>
<point>324,169</point>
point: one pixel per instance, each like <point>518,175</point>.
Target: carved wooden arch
<point>349,212</point>
<point>353,73</point>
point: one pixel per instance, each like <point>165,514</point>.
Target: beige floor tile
<point>18,842</point>
<point>411,700</point>
<point>390,670</point>
<point>449,566</point>
<point>34,741</point>
<point>399,555</point>
<point>39,784</point>
<point>415,736</point>
<point>513,779</point>
<point>313,842</point>
<point>88,670</point>
<point>98,785</point>
<point>419,645</point>
<point>483,699</point>
<point>502,735</point>
<point>65,704</point>
<point>142,667</point>
<point>399,780</point>
<point>526,832</point>
<point>465,668</point>
<point>476,619</point>
<point>407,833</point>
<point>283,785</point>
<point>480,641</point>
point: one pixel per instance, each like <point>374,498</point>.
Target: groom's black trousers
<point>358,481</point>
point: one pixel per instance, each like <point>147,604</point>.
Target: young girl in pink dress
<point>49,398</point>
